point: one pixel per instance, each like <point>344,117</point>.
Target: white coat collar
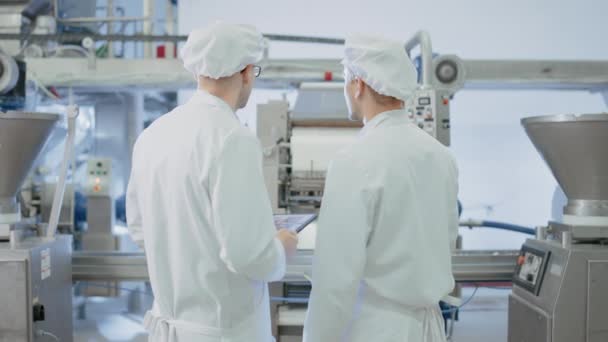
<point>212,100</point>
<point>382,117</point>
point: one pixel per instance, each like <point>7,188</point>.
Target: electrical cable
<point>41,333</point>
<point>454,309</point>
<point>41,86</point>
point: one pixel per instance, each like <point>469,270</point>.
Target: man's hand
<point>289,240</point>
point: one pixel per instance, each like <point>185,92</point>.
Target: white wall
<point>502,177</point>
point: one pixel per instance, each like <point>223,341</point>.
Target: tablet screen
<point>294,222</point>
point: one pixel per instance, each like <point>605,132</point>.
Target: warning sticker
<point>45,263</point>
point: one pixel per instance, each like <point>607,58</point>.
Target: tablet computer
<point>294,222</point>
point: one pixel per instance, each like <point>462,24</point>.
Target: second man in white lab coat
<point>389,214</point>
<point>197,202</point>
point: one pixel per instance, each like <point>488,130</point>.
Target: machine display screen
<point>424,101</point>
<point>530,270</point>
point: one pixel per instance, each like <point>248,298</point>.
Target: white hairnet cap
<point>222,49</point>
<point>382,64</point>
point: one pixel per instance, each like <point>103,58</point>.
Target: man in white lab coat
<point>197,202</point>
<point>389,214</point>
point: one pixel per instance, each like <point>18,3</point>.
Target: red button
<point>521,260</point>
<point>329,76</point>
<point>446,102</point>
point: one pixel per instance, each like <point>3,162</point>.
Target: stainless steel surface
<point>521,316</point>
<point>14,321</point>
<point>578,233</point>
<point>483,266</point>
<point>470,266</point>
<point>566,239</point>
<point>587,207</point>
<point>574,147</point>
<point>22,136</point>
<point>100,215</point>
<point>109,266</point>
<point>25,282</point>
<point>597,319</point>
<point>572,276</point>
<point>541,232</point>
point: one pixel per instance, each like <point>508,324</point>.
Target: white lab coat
<point>387,225</point>
<point>197,202</point>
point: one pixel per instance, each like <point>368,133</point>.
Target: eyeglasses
<point>257,70</point>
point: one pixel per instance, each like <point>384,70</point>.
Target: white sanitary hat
<point>382,64</point>
<point>222,49</point>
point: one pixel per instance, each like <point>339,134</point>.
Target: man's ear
<point>245,73</point>
<point>359,88</point>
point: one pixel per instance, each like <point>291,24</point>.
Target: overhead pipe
<point>498,225</point>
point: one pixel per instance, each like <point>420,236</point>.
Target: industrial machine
<point>298,142</point>
<point>561,279</point>
<point>36,282</point>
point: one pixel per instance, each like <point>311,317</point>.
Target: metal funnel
<point>22,136</point>
<point>575,148</point>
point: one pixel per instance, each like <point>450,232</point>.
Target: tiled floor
<point>483,319</point>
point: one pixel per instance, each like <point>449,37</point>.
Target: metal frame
<point>469,266</point>
<point>536,74</point>
<point>169,73</point>
<point>72,37</point>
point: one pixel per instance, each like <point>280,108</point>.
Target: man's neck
<point>374,111</point>
<point>226,96</point>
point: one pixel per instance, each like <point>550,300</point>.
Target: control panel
<point>99,177</point>
<point>530,269</point>
<point>430,111</point>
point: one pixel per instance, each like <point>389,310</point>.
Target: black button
<point>39,313</point>
<point>530,277</point>
<point>99,164</point>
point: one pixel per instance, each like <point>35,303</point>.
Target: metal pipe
<point>110,14</point>
<point>326,123</point>
<point>56,9</point>
<point>423,39</point>
<point>170,29</point>
<point>148,29</point>
<point>109,19</point>
<point>498,225</point>
<point>72,114</point>
<point>304,39</point>
<point>68,37</point>
<point>135,118</point>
